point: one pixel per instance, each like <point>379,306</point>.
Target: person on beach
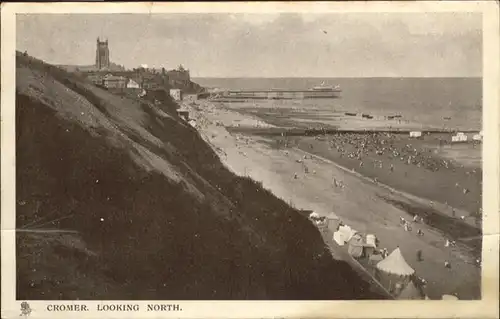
<point>447,264</point>
<point>407,227</point>
<point>419,255</point>
<point>420,232</point>
<point>422,281</point>
<point>402,221</point>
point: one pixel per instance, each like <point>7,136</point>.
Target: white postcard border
<point>485,308</point>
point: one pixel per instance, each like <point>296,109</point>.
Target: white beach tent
<point>339,238</point>
<point>371,240</point>
<point>343,235</point>
<point>460,137</point>
<point>395,264</point>
<point>313,215</point>
<point>477,137</point>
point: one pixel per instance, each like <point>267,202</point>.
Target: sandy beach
<point>305,180</point>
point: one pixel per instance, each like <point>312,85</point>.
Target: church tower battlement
<point>102,55</point>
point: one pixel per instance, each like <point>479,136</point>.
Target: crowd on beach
<point>383,144</point>
<point>390,153</point>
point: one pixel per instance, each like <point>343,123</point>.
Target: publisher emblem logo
<point>25,309</point>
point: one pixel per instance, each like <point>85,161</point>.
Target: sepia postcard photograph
<point>224,160</point>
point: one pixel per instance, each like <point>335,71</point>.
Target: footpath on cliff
<point>359,203</point>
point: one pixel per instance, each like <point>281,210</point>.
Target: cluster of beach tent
<point>416,134</point>
<point>459,137</point>
<point>391,270</point>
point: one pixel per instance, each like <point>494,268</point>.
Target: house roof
<point>395,264</point>
<point>113,77</point>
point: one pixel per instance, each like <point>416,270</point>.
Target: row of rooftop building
<point>139,78</point>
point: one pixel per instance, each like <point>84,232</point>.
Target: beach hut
<point>394,271</point>
<point>333,222</point>
<point>371,240</point>
<point>460,137</point>
<point>477,137</point>
<point>183,113</point>
<point>370,245</point>
<point>416,134</point>
<point>355,245</point>
<point>176,94</point>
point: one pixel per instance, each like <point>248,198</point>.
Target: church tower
<point>102,55</point>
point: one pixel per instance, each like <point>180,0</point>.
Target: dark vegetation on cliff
<point>144,208</point>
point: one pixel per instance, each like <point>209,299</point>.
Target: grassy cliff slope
<point>144,209</point>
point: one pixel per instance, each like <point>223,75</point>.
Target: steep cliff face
<point>144,209</point>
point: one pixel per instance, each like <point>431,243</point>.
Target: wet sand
<point>364,205</point>
<point>305,115</point>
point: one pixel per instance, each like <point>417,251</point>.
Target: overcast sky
<point>266,45</point>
